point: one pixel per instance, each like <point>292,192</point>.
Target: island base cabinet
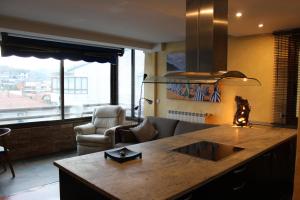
<point>73,189</point>
<point>283,169</point>
<point>269,176</point>
<point>229,186</point>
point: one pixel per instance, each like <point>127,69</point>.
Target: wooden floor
<point>45,192</point>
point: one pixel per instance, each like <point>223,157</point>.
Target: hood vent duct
<point>206,35</point>
<point>206,47</point>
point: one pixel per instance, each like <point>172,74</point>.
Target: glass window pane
<point>29,89</point>
<point>55,84</point>
<point>84,84</point>
<point>71,83</point>
<point>125,81</point>
<point>78,83</point>
<point>81,101</point>
<point>139,75</point>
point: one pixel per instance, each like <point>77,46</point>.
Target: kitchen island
<point>165,174</point>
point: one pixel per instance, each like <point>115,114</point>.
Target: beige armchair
<point>99,134</point>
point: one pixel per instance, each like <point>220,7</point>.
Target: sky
<point>30,63</point>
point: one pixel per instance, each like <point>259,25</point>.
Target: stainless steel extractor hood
<point>206,47</point>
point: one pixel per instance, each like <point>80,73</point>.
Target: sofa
<point>98,135</point>
<point>165,128</point>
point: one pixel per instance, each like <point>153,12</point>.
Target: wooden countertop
<point>165,174</point>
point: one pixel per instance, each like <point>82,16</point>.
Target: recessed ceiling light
<point>238,14</point>
<point>260,25</point>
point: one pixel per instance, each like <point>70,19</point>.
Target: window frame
<point>114,98</point>
<point>133,84</point>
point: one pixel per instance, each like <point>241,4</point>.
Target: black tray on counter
<point>122,154</point>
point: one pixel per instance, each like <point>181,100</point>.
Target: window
<point>286,91</point>
<point>26,89</point>
<point>55,84</point>
<point>75,85</point>
<point>86,86</point>
<point>31,88</point>
<point>131,73</point>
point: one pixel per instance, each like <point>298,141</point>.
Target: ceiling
<point>154,21</point>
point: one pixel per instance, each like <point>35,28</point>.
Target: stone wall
<point>41,140</point>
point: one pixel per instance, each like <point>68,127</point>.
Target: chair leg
<point>9,164</point>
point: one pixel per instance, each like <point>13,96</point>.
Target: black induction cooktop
<point>208,150</point>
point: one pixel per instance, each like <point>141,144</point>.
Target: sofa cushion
<point>124,135</point>
<point>127,136</point>
<point>145,131</point>
<point>164,126</point>
<point>185,127</point>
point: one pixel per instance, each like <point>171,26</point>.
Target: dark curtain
<point>26,47</point>
<point>287,44</point>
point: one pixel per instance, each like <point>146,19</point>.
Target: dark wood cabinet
<point>259,177</point>
<point>271,176</point>
<point>268,176</point>
<point>283,169</point>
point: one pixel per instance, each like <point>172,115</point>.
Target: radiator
<point>188,116</point>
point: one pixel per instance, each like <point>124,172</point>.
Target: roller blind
<point>287,44</point>
<point>40,48</point>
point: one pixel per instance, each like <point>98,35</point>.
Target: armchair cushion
<point>145,131</point>
<point>94,138</point>
<point>108,116</point>
<point>100,131</point>
<point>85,129</point>
<point>108,111</point>
<point>105,122</point>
